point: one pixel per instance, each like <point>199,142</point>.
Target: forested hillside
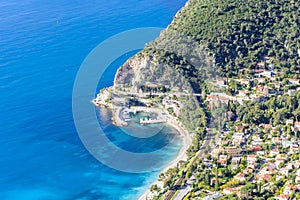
<point>276,110</point>
<point>241,33</point>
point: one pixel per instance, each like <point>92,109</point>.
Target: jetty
<point>151,121</point>
<point>117,117</point>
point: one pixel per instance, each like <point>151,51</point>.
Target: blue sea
<point>42,45</point>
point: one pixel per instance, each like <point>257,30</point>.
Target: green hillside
<point>242,33</point>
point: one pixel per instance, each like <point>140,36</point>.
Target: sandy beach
<point>187,141</point>
<point>119,121</point>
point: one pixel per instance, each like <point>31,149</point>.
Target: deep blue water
<point>42,44</point>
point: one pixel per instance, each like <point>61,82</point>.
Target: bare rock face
<point>145,70</point>
<point>130,75</point>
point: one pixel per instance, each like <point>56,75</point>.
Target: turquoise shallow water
<point>42,44</point>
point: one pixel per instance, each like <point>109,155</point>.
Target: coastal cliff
<point>236,34</point>
<point>132,72</point>
<point>228,36</point>
<point>211,40</point>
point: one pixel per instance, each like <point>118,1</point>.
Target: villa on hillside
<point>231,151</point>
<point>174,104</point>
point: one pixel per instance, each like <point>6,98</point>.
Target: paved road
<point>183,192</point>
<point>156,94</point>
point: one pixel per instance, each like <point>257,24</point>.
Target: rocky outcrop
<point>130,75</point>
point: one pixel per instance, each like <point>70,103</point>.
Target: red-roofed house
<point>222,162</point>
<point>256,148</point>
<point>283,197</point>
<point>228,191</point>
<point>276,139</point>
<point>259,70</point>
<point>260,89</point>
<point>297,126</point>
<point>239,128</point>
<point>251,159</point>
<point>264,177</point>
<point>294,81</point>
<point>261,64</point>
<point>240,177</point>
<point>268,126</point>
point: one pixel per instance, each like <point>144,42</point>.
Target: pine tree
<point>217,180</point>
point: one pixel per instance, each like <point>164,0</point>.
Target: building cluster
<point>263,155</point>
<point>258,85</point>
